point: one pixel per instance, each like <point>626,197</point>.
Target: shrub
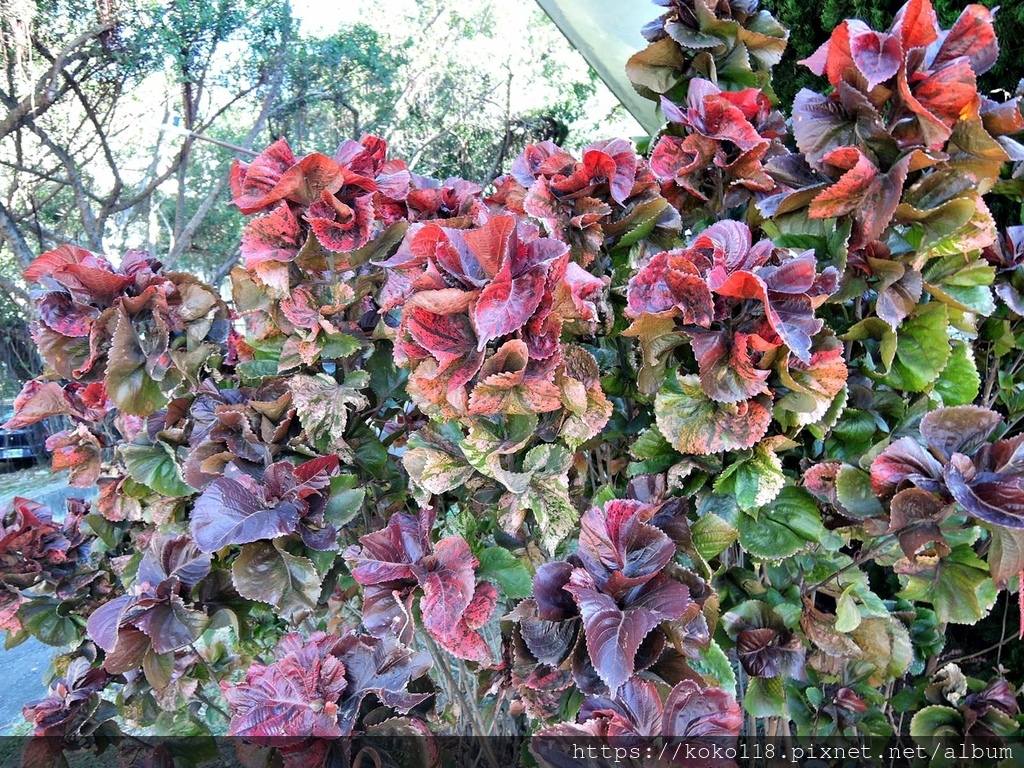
<point>628,447</point>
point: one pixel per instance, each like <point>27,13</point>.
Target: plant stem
<point>442,664</point>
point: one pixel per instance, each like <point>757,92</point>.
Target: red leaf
<point>388,555</point>
<point>304,182</point>
<point>834,58</point>
<point>916,24</point>
<point>613,635</point>
<point>232,512</point>
<point>506,304</point>
<point>481,607</point>
<point>261,177</point>
<point>727,371</point>
<point>973,35</point>
<point>619,549</point>
<point>301,309</point>
<point>878,56</point>
<point>946,93</point>
<point>273,237</point>
<point>494,244</point>
<point>447,338</point>
<point>341,227</point>
<point>53,261</point>
<point>448,585</point>
<point>870,196</point>
<point>905,460</point>
<point>464,643</point>
<point>38,401</point>
<point>624,157</point>
<point>296,696</point>
<point>80,452</point>
<point>696,713</point>
<point>236,177</point>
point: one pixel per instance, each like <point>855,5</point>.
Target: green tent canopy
<point>607,33</point>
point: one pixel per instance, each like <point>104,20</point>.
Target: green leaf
<point>711,535</point>
<point>504,569</point>
<point>109,533</point>
<point>765,697</point>
<point>848,617</point>
<point>922,349</point>
<point>322,406</point>
<point>782,528</point>
<point>434,465</point>
<point>547,493</point>
<point>158,668</point>
<point>253,372</point>
<point>642,221</point>
<point>264,572</point>
<point>129,385</point>
<point>50,622</point>
<point>694,423</point>
<point>345,500</point>
<point>650,444</point>
<point>155,467</point>
<point>754,481</point>
<point>962,285</point>
<point>854,433</point>
<point>337,346</point>
<point>958,586</point>
<point>265,362</point>
<point>935,722</point>
<point>853,489</point>
<point>877,329</point>
<point>959,382</point>
<point>713,665</point>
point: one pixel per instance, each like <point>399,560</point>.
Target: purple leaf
<point>230,512</point>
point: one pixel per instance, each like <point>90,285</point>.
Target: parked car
<point>21,446</point>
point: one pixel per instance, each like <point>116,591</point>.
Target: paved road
<point>22,668</point>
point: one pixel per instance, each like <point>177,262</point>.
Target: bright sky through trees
<point>512,22</point>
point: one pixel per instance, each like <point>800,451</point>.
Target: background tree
<point>811,21</point>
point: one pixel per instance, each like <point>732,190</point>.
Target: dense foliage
<point>722,437</point>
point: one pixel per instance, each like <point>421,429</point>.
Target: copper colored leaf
<point>1005,555</point>
<point>694,713</point>
<point>914,516</point>
<point>128,382</point>
<point>905,460</point>
<point>960,429</point>
<point>613,635</point>
<point>993,497</point>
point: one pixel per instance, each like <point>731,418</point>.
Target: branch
<point>184,239</point>
<point>14,239</point>
<point>47,89</point>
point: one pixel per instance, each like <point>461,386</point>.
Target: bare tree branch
<point>48,89</point>
<point>14,239</point>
